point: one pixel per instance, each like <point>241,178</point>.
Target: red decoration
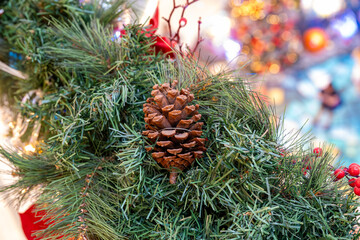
<point>167,45</point>
<point>175,36</point>
<point>318,151</point>
<point>282,152</point>
<point>354,169</point>
<point>315,39</point>
<point>162,44</point>
<point>352,182</point>
<point>31,222</point>
<point>182,22</point>
<point>339,173</point>
<point>357,182</point>
<point>357,191</point>
<point>354,164</point>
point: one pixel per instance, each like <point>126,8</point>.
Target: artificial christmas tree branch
<point>96,177</point>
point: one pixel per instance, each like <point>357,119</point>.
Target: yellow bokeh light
<point>256,66</point>
<point>250,8</point>
<point>246,50</point>
<point>277,95</point>
<point>11,125</point>
<point>292,57</point>
<point>29,148</point>
<point>273,19</point>
<point>286,35</point>
<point>274,68</point>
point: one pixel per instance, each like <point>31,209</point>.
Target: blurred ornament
<point>1,11</point>
<point>315,39</point>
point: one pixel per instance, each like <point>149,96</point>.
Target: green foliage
<point>26,26</point>
<point>94,167</point>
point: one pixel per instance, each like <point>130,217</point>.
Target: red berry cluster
<point>353,170</point>
<point>318,153</point>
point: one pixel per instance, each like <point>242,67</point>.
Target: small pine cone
<point>173,127</point>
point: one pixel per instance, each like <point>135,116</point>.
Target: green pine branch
<point>96,178</point>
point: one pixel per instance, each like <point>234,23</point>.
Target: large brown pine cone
<point>173,128</point>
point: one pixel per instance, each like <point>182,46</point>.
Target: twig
<point>199,38</point>
<point>176,36</point>
<point>4,67</point>
<point>170,16</point>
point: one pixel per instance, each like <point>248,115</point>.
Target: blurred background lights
<point>315,39</point>
<point>327,8</point>
<point>320,78</point>
<point>306,4</point>
<point>29,148</point>
<point>232,49</point>
<point>346,25</point>
<point>274,68</point>
<point>218,28</point>
<point>3,129</point>
<point>276,95</point>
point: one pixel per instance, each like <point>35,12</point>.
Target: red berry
<point>183,22</point>
<point>346,169</point>
<point>354,170</point>
<point>357,182</point>
<point>318,151</point>
<point>357,191</point>
<point>282,152</point>
<point>354,164</point>
<point>339,173</point>
<point>352,182</point>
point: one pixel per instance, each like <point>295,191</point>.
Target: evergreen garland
<point>95,177</point>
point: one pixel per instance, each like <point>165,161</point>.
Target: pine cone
<point>173,128</point>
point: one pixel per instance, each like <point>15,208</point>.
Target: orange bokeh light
<point>315,39</point>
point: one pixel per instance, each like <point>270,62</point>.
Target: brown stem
<point>176,36</point>
<point>173,176</point>
<point>170,16</point>
<point>199,38</point>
